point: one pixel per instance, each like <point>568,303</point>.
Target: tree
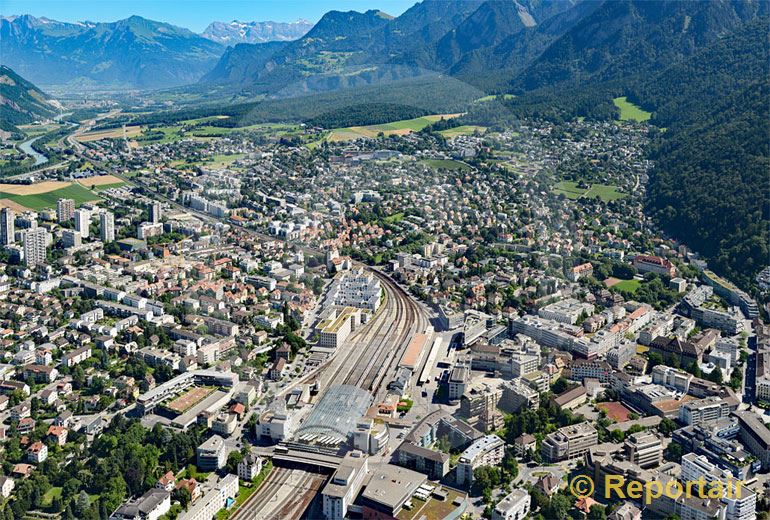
<point>597,512</point>
<point>715,376</point>
<point>183,495</point>
<point>233,460</point>
<point>667,426</point>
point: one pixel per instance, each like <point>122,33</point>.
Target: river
<point>26,147</point>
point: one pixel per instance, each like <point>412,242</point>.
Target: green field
<point>629,111</point>
<point>404,126</point>
<point>628,285</point>
<point>447,164</point>
<point>449,133</point>
<point>75,192</point>
<point>570,190</point>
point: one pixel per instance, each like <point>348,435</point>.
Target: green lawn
<point>628,285</point>
<point>394,218</point>
<point>447,164</point>
<point>39,201</point>
<point>629,111</point>
<point>50,495</point>
<point>571,190</point>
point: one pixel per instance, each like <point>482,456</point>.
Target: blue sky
<point>195,14</point>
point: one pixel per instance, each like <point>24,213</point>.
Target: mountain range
<point>135,52</point>
<point>22,102</point>
<point>235,32</point>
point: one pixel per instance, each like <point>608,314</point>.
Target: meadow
<point>629,111</point>
<point>403,127</point>
<point>605,192</point>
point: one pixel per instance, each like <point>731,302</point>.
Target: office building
<point>569,442</point>
<point>211,454</point>
<point>82,222</point>
<point>7,226</point>
<point>644,449</point>
<point>704,410</point>
<point>35,242</point>
<point>106,227</point>
<point>344,486</point>
<point>65,210</point>
<point>755,436</point>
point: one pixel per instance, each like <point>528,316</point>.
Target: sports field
<point>403,127</point>
<point>615,411</point>
<point>629,111</point>
<point>45,194</point>
<point>626,285</point>
<point>571,190</point>
<point>189,399</point>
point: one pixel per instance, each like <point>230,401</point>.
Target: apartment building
<point>486,451</point>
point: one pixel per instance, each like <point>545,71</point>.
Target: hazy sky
<point>195,14</point>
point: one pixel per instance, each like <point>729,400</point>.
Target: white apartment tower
<point>82,221</point>
<point>107,227</point>
<point>155,212</point>
<point>65,210</point>
<point>7,226</point>
<point>35,246</point>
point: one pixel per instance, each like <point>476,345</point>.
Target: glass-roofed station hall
<point>329,427</point>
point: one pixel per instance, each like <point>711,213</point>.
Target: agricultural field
<point>447,164</point>
<point>102,182</point>
<point>449,133</point>
<point>605,192</point>
<point>112,133</point>
<point>35,130</point>
<point>44,195</point>
<point>403,127</point>
<point>629,111</point>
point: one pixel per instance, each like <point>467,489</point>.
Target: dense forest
<point>710,185</point>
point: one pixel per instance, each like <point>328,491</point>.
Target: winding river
<point>26,147</point>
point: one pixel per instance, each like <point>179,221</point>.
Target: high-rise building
<point>65,210</point>
<point>644,449</point>
<point>82,221</point>
<point>155,212</point>
<point>107,227</point>
<point>7,226</point>
<point>71,238</point>
<point>34,246</point>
